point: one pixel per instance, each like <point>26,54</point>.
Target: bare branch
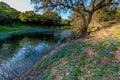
<point>103,4</point>
<point>93,4</point>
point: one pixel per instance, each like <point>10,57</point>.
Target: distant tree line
<point>9,15</point>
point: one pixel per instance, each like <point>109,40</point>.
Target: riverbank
<point>81,59</point>
<point>21,27</point>
<point>23,49</point>
<point>8,32</point>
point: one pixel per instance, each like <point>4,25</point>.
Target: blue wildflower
<point>118,42</point>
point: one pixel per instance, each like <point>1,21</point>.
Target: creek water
<point>20,54</point>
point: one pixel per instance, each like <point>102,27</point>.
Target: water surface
<point>20,54</point>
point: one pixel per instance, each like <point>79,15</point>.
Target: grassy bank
<point>19,30</point>
<point>83,60</point>
<point>17,27</point>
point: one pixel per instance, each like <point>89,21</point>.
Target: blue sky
<point>25,5</point>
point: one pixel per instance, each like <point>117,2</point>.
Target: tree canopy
<point>9,15</point>
<point>75,5</point>
<point>85,8</point>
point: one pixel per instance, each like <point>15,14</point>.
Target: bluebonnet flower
<point>75,51</point>
<point>86,78</point>
<point>96,79</point>
<point>90,66</point>
<point>118,42</point>
<point>109,66</point>
<point>94,70</point>
<point>107,51</point>
<point>103,74</point>
<point>111,72</point>
<point>73,78</point>
<point>78,61</point>
<point>100,70</point>
<point>74,65</point>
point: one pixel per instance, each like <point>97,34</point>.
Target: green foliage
<point>118,14</point>
<point>77,21</point>
<point>28,16</point>
<point>104,15</point>
<point>84,9</point>
<point>48,76</point>
<point>103,18</point>
<point>52,18</point>
<point>19,30</point>
<point>65,22</point>
<point>51,77</point>
<point>7,14</point>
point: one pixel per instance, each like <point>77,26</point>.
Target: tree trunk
<point>84,31</point>
<point>89,18</point>
<point>87,21</point>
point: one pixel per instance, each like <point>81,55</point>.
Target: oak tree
<point>85,8</point>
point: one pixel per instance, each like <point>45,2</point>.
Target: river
<point>16,56</point>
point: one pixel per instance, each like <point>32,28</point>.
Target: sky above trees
<point>20,5</point>
<point>25,5</point>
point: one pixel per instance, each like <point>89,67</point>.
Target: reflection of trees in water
<point>27,54</point>
<point>7,50</point>
<point>9,70</point>
<point>21,54</point>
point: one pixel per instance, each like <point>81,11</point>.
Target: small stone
<point>89,72</point>
<point>119,72</point>
<point>103,59</point>
<point>89,52</point>
<point>116,55</point>
<point>67,73</point>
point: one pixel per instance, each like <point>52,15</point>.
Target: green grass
<point>78,65</point>
<point>66,28</point>
<point>8,31</point>
<point>15,27</point>
<point>21,27</point>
